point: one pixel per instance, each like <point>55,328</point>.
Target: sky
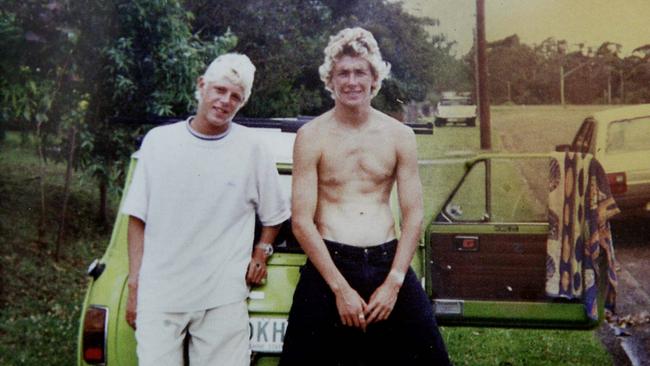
<point>591,22</point>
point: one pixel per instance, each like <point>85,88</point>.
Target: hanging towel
<point>601,209</point>
<point>580,205</point>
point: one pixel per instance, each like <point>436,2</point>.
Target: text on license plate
<point>267,334</point>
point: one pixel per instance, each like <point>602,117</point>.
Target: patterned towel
<point>580,205</point>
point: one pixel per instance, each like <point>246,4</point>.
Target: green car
<point>482,259</point>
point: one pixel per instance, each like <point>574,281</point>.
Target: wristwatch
<point>267,248</point>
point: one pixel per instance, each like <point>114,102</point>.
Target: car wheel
<point>439,122</point>
<point>471,122</point>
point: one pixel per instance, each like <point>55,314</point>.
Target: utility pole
<point>620,76</point>
<point>481,59</point>
<point>609,86</point>
<point>562,85</point>
<point>563,75</point>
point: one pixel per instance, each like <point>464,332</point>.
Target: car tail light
<point>94,335</point>
<point>617,183</point>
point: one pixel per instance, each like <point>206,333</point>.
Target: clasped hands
<point>355,312</point>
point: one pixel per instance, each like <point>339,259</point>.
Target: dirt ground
<point>631,325</point>
<point>540,129</point>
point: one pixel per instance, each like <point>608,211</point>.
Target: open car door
<point>487,255</point>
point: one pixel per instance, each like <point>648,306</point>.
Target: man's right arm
<point>135,239</point>
<point>304,198</point>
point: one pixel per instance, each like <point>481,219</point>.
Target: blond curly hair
<point>354,42</point>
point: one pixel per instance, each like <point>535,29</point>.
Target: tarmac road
<point>540,129</point>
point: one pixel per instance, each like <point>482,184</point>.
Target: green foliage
<point>10,92</point>
<point>40,299</point>
<point>147,65</point>
<point>152,65</point>
<point>37,68</point>
<point>285,39</point>
<point>140,58</point>
<point>533,72</point>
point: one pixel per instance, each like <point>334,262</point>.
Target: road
<point>540,129</point>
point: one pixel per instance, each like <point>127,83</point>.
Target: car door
<point>486,250</point>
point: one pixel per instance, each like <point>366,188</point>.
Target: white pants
<point>218,336</point>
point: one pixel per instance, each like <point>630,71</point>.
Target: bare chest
<point>346,159</point>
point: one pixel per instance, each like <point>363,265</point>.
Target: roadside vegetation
<point>40,298</point>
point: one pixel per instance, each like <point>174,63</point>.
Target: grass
<point>504,347</point>
<point>40,299</point>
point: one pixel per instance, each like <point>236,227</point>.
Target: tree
<point>11,91</point>
<point>287,44</point>
<point>514,69</point>
<point>532,74</point>
<point>148,64</point>
<point>37,73</point>
<point>635,76</point>
<point>284,39</point>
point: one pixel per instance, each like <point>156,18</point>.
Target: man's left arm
<point>409,193</point>
<point>272,210</point>
<point>261,253</point>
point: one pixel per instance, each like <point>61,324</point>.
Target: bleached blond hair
<point>354,42</point>
<point>235,67</point>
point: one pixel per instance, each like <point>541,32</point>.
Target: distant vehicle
<point>620,139</point>
<point>455,108</point>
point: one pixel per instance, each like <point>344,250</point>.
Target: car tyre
<point>471,122</point>
<point>439,122</point>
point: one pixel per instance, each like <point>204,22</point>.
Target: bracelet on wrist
<point>398,276</point>
<point>267,248</point>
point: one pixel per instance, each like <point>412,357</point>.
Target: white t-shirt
<point>198,199</point>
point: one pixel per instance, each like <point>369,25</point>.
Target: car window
<point>629,135</point>
<point>502,190</point>
<point>469,202</point>
<point>455,102</point>
<point>519,190</point>
<point>584,137</point>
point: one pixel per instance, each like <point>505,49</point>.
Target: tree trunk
<point>66,190</point>
<point>102,215</point>
<point>41,159</point>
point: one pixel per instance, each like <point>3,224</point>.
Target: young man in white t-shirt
<point>196,190</point>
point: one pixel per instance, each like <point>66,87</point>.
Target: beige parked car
<point>620,139</point>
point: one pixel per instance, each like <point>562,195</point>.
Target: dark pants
<point>316,336</point>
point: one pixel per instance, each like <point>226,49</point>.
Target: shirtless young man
<point>357,301</point>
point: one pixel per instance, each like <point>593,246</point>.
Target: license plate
<point>267,334</point>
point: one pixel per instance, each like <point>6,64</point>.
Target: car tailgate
<point>269,303</point>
